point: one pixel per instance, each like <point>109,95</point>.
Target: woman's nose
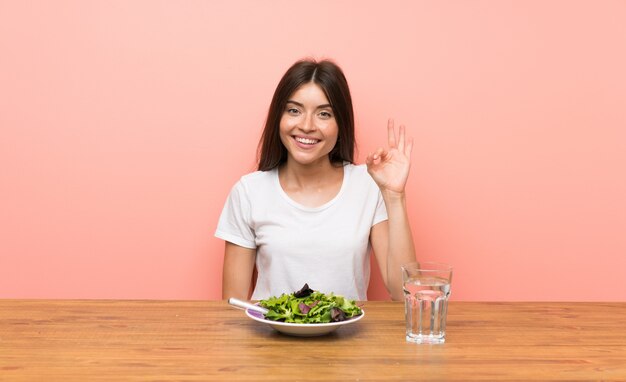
<point>308,124</point>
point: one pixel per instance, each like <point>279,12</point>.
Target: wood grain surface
<point>61,340</point>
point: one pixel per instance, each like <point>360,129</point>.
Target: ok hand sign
<point>390,167</point>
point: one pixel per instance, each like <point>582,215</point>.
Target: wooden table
<point>46,340</point>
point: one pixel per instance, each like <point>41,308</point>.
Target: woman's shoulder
<point>356,168</point>
<point>358,171</point>
<point>257,178</point>
<point>253,185</point>
<point>359,177</point>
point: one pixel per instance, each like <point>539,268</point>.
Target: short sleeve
<point>234,224</point>
<point>381,210</point>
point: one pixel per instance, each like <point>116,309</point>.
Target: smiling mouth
<point>306,141</point>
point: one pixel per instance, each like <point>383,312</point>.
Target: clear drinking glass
<point>426,290</point>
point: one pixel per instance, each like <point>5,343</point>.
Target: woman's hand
<point>390,167</point>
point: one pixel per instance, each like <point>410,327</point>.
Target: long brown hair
<point>331,79</point>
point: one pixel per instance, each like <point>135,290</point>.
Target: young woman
<point>309,215</point>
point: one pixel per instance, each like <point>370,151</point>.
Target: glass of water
<point>426,290</point>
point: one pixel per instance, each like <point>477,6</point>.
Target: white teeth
<point>306,140</point>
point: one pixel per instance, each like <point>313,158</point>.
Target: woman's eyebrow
<point>326,105</point>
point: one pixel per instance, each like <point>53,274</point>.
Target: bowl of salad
<point>307,313</point>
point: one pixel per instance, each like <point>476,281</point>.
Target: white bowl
<point>303,330</point>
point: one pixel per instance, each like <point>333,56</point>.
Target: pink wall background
<point>124,125</point>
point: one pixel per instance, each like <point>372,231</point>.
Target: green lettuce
<point>307,306</point>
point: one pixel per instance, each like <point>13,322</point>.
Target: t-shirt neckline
<point>344,182</point>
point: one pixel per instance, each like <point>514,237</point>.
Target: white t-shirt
<point>327,247</point>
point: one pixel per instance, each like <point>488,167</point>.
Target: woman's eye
<point>325,114</point>
<point>292,110</point>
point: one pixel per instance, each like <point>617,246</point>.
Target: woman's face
<point>308,128</point>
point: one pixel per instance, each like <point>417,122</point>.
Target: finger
<point>401,139</point>
<point>409,149</point>
<point>391,133</point>
<point>375,157</point>
<point>371,157</point>
<point>380,154</point>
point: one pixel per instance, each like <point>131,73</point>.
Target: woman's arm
<point>392,240</point>
<point>393,246</point>
<point>237,272</point>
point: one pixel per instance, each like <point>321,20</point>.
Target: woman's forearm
<point>401,249</point>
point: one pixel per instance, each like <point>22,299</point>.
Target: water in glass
<point>426,304</point>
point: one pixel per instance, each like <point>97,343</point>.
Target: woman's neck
<point>311,185</point>
<point>302,176</point>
